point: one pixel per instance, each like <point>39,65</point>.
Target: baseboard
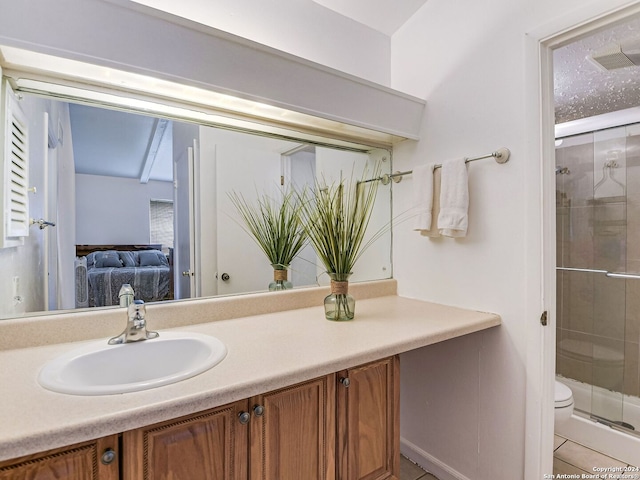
<point>428,462</point>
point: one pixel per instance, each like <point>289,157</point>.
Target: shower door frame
<point>606,402</point>
<point>540,43</point>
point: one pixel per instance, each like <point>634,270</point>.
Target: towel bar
<point>501,156</point>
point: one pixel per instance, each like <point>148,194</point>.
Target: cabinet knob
<point>345,381</point>
<point>225,277</point>
<point>258,410</point>
<point>244,417</point>
<point>108,456</point>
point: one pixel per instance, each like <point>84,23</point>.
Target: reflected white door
<point>242,266</point>
<point>184,226</point>
<point>50,196</point>
<point>301,169</point>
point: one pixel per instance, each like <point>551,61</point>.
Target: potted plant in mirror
<point>276,226</point>
<point>336,218</point>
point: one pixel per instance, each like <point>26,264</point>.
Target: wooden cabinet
<point>288,434</point>
<point>93,460</point>
<point>341,426</point>
<point>369,421</point>
<point>210,445</point>
<point>293,432</point>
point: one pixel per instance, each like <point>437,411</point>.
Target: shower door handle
<point>623,275</point>
<point>632,276</point>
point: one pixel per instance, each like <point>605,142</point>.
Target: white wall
<point>114,210</point>
<point>26,262</point>
<point>464,401</point>
<point>300,27</point>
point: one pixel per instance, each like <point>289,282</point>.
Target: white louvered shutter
<point>16,160</point>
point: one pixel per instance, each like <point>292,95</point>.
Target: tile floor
<point>411,471</point>
<point>570,457</point>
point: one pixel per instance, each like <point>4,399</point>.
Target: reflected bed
<point>101,270</point>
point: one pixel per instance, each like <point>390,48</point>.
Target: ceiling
<point>583,90</point>
<point>120,144</point>
<point>386,16</point>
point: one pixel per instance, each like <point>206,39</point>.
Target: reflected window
<point>161,223</point>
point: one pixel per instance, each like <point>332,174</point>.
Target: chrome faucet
<point>136,329</point>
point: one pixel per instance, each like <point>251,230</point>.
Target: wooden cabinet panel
<point>210,445</point>
<point>309,431</point>
<point>77,462</point>
<point>369,422</point>
<point>294,438</point>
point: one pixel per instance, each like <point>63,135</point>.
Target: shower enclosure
<point>598,274</point>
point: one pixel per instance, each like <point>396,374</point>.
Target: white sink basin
<point>99,369</point>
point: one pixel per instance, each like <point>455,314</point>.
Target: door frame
<point>46,239</point>
<point>181,208</point>
<point>194,219</point>
<point>539,45</point>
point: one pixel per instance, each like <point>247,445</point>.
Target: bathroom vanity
<point>296,393</point>
<point>345,423</point>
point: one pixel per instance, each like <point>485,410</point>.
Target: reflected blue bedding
<point>147,271</point>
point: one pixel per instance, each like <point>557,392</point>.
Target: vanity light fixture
<point>82,82</point>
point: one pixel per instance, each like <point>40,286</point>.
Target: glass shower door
<point>609,206</point>
<point>598,237</point>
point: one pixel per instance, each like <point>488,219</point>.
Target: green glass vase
<point>339,305</point>
<point>280,278</point>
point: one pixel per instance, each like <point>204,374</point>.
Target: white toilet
<point>563,403</point>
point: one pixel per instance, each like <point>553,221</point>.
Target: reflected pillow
<point>149,259</point>
<point>91,259</point>
<point>107,259</point>
<point>128,258</point>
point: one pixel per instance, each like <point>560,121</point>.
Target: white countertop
<point>265,352</point>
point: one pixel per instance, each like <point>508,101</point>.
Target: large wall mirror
<point>125,182</point>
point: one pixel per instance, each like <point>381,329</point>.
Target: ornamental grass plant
<point>276,226</point>
<point>335,218</point>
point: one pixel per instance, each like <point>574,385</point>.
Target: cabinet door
<point>293,437</point>
<point>369,421</point>
<point>210,445</point>
<point>83,461</point>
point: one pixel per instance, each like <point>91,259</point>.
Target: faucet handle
<point>136,329</point>
<point>137,312</point>
<point>137,307</point>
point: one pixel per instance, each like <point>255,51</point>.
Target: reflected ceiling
<point>582,89</point>
<point>121,144</point>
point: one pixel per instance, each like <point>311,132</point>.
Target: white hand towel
<point>454,199</point>
<point>423,197</point>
